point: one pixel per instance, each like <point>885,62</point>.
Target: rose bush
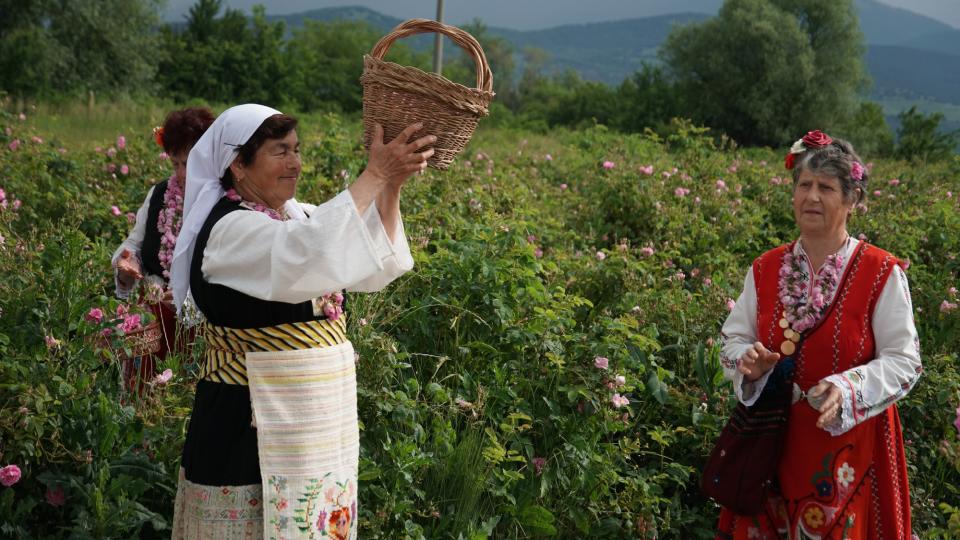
<point>549,369</point>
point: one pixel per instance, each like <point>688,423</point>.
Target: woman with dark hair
<point>148,250</point>
<point>273,442</point>
<point>826,322</point>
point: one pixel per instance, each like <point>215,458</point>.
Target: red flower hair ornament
<point>813,139</point>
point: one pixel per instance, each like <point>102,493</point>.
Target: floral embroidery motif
<point>824,488</point>
<point>320,508</point>
<point>814,517</point>
<point>845,475</point>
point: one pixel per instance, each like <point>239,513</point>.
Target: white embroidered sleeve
<point>132,244</point>
<point>739,334</point>
<point>298,260</point>
<point>867,390</point>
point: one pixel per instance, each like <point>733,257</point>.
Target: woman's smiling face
<point>819,206</point>
<point>272,176</point>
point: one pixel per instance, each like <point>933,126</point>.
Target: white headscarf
<point>208,159</point>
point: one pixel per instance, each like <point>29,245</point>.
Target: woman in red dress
<point>147,251</point>
<point>840,309</point>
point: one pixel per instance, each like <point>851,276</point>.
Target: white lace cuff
<point>846,421</point>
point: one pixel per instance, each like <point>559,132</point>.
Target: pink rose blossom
<point>730,304</point>
<point>121,142</point>
<point>115,211</point>
<point>548,157</point>
<point>947,307</point>
<point>721,185</point>
<point>55,496</point>
<point>776,181</point>
<point>856,171</point>
<point>538,253</point>
<point>620,380</point>
<point>609,164</point>
<point>16,205</point>
<point>952,291</point>
<point>956,423</point>
<point>601,255</point>
<point>163,378</point>
<point>14,145</point>
<point>9,475</point>
<point>538,464</point>
<point>36,140</point>
<point>619,401</point>
<point>681,192</point>
<point>647,170</point>
<point>111,152</point>
<point>124,169</point>
<point>563,186</point>
<point>877,193</point>
<point>131,218</point>
<point>94,315</point>
<point>894,181</point>
<point>601,362</point>
<point>52,342</point>
<point>163,156</point>
<point>130,323</point>
<point>22,117</point>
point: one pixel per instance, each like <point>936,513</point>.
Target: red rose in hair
<point>816,139</point>
<point>788,162</point>
<point>158,135</point>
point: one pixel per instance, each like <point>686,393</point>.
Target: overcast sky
<point>533,14</point>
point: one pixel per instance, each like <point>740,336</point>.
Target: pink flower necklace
<point>802,308</point>
<point>331,304</point>
<point>257,207</point>
<point>169,222</point>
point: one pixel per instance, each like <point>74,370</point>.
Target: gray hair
<point>835,159</point>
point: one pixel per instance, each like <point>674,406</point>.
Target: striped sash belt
<point>227,347</point>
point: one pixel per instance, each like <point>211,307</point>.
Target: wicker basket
<point>141,342</point>
<point>396,96</point>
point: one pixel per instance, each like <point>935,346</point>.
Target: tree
<point>767,70</point>
<point>920,138</point>
<point>647,99</point>
<point>499,55</point>
<point>57,47</point>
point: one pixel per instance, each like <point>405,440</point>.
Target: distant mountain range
<point>908,55</point>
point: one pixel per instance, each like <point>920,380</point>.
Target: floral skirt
<point>285,466</point>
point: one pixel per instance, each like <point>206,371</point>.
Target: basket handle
<point>466,42</point>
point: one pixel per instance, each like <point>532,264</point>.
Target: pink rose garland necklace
<point>802,308</point>
<point>169,222</point>
<point>331,304</point>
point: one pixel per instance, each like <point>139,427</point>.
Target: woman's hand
<point>128,268</point>
<point>757,361</point>
<point>830,399</point>
<point>395,161</point>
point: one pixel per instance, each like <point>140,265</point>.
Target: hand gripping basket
<point>396,96</point>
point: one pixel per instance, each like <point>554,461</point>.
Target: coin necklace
<point>803,306</point>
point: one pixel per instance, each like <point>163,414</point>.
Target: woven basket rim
<point>439,79</point>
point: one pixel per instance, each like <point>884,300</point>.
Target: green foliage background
<point>479,361</point>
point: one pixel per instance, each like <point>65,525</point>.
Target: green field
<point>532,259</point>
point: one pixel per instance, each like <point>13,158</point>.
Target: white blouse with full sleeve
<point>867,389</point>
<point>132,243</point>
<point>294,261</point>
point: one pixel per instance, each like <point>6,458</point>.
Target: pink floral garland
<point>801,312</point>
<point>169,222</point>
<point>332,303</point>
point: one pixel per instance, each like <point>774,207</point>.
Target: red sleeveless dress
<point>852,486</point>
